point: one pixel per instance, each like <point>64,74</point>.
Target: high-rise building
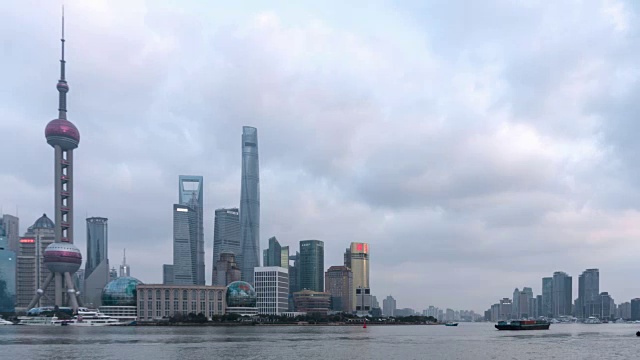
<point>226,234</point>
<point>635,309</point>
<point>506,309</point>
<point>389,306</point>
<point>588,294</point>
<point>359,261</point>
<point>7,275</point>
<point>167,274</point>
<point>339,283</point>
<point>191,195</point>
<point>284,257</point>
<point>250,203</point>
<point>547,297</point>
<point>225,270</point>
<point>32,271</point>
<point>272,290</point>
<point>294,278</point>
<point>185,240</point>
<point>515,306</point>
<point>312,265</point>
<point>63,258</point>
<point>96,271</point>
<point>525,299</point>
<point>125,269</point>
<point>11,225</point>
<point>539,311</point>
<point>347,258</point>
<point>562,294</point>
<point>113,273</point>
<point>272,256</point>
<point>374,302</point>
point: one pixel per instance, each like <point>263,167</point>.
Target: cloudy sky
<point>477,146</point>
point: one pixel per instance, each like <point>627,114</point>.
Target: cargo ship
<point>523,325</point>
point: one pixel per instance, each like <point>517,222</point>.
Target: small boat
<point>451,324</point>
<point>592,320</point>
<point>638,333</point>
<point>5,322</point>
<point>523,325</point>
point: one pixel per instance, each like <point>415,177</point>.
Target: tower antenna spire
<point>63,87</point>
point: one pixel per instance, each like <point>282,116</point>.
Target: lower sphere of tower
<point>62,257</point>
<point>63,133</point>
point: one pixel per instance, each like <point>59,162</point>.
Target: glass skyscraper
<point>588,294</point>
<point>7,275</point>
<point>226,234</point>
<point>312,265</point>
<point>96,272</point>
<point>272,256</point>
<point>185,238</point>
<point>250,203</point>
<point>547,297</point>
<point>191,195</point>
<point>562,294</point>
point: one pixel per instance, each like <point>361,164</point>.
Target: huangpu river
<point>467,341</point>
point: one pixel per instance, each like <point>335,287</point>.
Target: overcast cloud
<point>477,146</point>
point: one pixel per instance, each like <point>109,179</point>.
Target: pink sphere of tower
<point>62,132</point>
<point>62,257</point>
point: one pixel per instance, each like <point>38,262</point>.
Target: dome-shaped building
<point>119,298</point>
<point>62,258</point>
<point>241,298</point>
<point>121,292</point>
<point>43,222</point>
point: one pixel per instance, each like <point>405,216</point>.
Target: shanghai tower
<point>250,203</point>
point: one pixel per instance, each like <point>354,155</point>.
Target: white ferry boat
<point>85,317</point>
<point>88,317</point>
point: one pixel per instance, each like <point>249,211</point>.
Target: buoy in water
<point>638,333</point>
<point>365,326</point>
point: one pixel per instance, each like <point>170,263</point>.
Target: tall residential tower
<point>250,203</point>
<point>311,265</point>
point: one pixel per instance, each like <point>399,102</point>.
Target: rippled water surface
<point>467,341</point>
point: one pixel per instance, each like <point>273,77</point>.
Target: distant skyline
<point>476,147</point>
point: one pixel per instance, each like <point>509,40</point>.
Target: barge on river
<point>523,325</point>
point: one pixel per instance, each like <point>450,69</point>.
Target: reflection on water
<point>467,341</point>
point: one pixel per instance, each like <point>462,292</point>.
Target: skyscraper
<point>312,265</point>
<point>185,239</point>
<point>294,278</point>
<point>547,297</point>
<point>284,257</point>
<point>7,275</point>
<point>272,256</point>
<point>272,289</point>
<point>191,194</point>
<point>32,272</point>
<point>635,309</point>
<point>515,305</point>
<point>62,258</point>
<point>96,271</point>
<point>359,261</point>
<point>588,294</point>
<point>389,306</point>
<point>11,225</point>
<point>226,234</point>
<point>525,299</point>
<point>225,270</point>
<point>250,203</point>
<point>562,294</point>
<point>339,283</point>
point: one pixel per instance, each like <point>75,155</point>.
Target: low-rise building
<point>310,301</point>
<point>157,301</point>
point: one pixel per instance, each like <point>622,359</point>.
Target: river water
<point>467,341</point>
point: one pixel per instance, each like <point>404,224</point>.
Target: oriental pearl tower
<point>62,258</point>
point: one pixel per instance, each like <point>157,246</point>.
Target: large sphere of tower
<point>62,257</point>
<point>62,132</point>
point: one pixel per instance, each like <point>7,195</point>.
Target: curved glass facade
<point>250,203</point>
<point>121,292</point>
<point>241,294</point>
